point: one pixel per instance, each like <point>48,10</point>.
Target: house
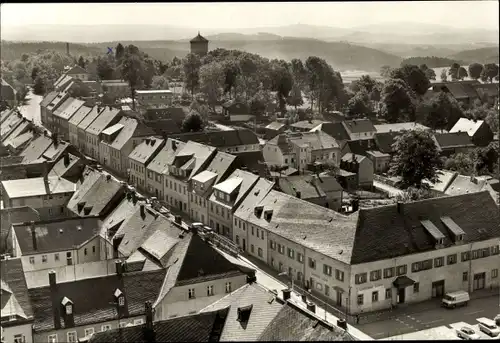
<point>452,143</point>
<point>56,243</point>
<point>274,129</point>
<point>68,311</point>
<point>16,145</point>
<point>201,327</point>
<point>188,161</point>
<point>97,195</point>
<point>108,117</point>
<point>60,98</point>
<point>462,91</point>
<point>63,82</point>
<point>380,160</point>
<point>73,123</point>
<point>78,72</point>
<point>400,127</point>
<point>225,199</point>
<point>44,104</point>
<point>8,94</point>
<point>478,130</point>
<point>9,216</point>
<point>299,149</point>
<point>115,88</point>
<point>463,184</point>
<point>69,167</point>
<point>154,98</point>
<point>234,141</point>
<point>10,123</point>
<point>83,141</point>
<point>48,195</point>
<point>487,92</point>
<point>165,117</point>
<point>140,157</point>
<point>43,148</point>
<point>384,141</point>
<point>305,125</point>
<point>359,129</point>
<point>22,127</point>
<point>17,311</point>
<point>119,140</point>
<point>158,167</point>
<point>360,165</point>
<point>236,111</point>
<point>62,116</point>
<point>217,171</point>
<point>322,190</point>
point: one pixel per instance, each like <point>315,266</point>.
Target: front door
<point>339,298</point>
<point>479,281</point>
<point>401,295</point>
<point>438,289</point>
<point>244,245</point>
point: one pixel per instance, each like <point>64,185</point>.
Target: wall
<point>365,172</point>
<point>220,218</point>
<point>274,257</point>
<point>47,208</point>
<point>272,154</point>
<point>362,136</point>
<point>178,192</point>
<point>154,184</point>
<point>241,148</point>
<point>73,134</point>
<point>137,174</point>
<point>10,331</point>
<point>245,230</point>
<point>198,208</point>
<point>326,155</point>
<point>176,302</point>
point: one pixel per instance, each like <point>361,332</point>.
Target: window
<point>438,262</point>
<point>53,338</point>
<point>85,251</point>
<point>44,258</point>
<point>388,293</point>
<point>253,234</point>
<point>210,290</point>
<point>374,297</point>
<point>89,331</point>
<point>401,270</point>
<point>261,233</point>
<point>237,240</point>
<point>291,253</point>
<point>451,259</point>
<point>465,276</point>
<point>327,270</point>
<point>495,250</point>
<point>281,249</point>
<point>121,301</point>
<point>93,249</point>
<point>228,287</point>
<point>375,275</point>
<point>312,263</point>
<point>122,325</point>
<point>71,337</point>
<point>32,260</point>
<point>105,327</point>
<point>360,278</point>
<point>138,321</point>
<point>475,254</point>
<point>300,257</point>
<point>273,245</point>
<point>339,275</point>
<point>56,256</point>
<point>360,299</point>
<point>252,248</point>
<point>494,273</point>
<point>416,287</point>
<point>191,294</point>
<point>19,338</point>
<point>69,309</point>
<point>388,273</point>
<point>259,251</point>
<point>465,256</point>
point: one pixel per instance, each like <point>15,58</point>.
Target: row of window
<point>138,168</point>
<point>210,290</point>
<point>426,264</point>
<point>56,256</point>
<point>176,187</point>
<point>72,337</point>
<point>255,230</point>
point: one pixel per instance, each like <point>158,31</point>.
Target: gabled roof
<point>144,152</point>
<point>15,302</point>
<point>236,107</point>
<point>240,181</point>
<point>317,140</point>
<point>160,243</point>
<point>69,171</point>
<point>445,177</point>
<point>20,140</point>
<point>467,125</point>
<point>199,38</point>
<point>262,313</point>
<point>126,133</point>
<point>460,90</point>
<point>360,147</point>
<point>453,140</point>
<point>124,210</point>
<point>220,139</point>
<point>48,99</point>
<point>89,118</point>
<point>32,187</point>
<point>22,127</point>
<point>359,126</point>
<point>93,298</point>
<point>34,150</point>
<point>491,89</point>
<point>57,101</point>
<point>56,235</point>
<point>336,130</point>
<point>350,157</point>
<point>385,141</point>
<point>383,233</point>
<point>199,153</point>
<point>309,186</point>
<point>80,115</point>
<point>6,114</point>
<point>162,127</point>
<point>71,109</point>
<point>65,104</point>
<point>200,327</point>
<point>275,126</point>
<point>222,164</point>
<point>55,150</point>
<point>307,124</point>
<point>160,162</point>
<point>398,127</point>
<point>10,124</point>
<point>76,70</point>
<point>256,194</point>
<point>103,121</point>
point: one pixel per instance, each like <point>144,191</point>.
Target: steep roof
<point>19,129</point>
<point>10,124</point>
<point>275,126</point>
<point>93,298</point>
<point>65,104</point>
<point>460,90</point>
<point>89,118</point>
<point>383,233</point>
<point>200,327</point>
<point>124,210</point>
<point>244,182</point>
<point>127,132</point>
<point>491,89</point>
<point>199,153</point>
<point>34,150</point>
<point>220,139</point>
<point>222,164</point>
<point>309,186</point>
<point>385,141</point>
<point>48,99</point>
<point>307,124</point>
<point>20,140</point>
<point>146,150</point>
<point>71,109</point>
<point>336,130</point>
<point>254,196</point>
<point>467,125</point>
<point>15,300</point>
<point>76,69</point>
<point>31,187</point>
<point>453,140</point>
<point>103,120</point>
<point>359,126</point>
<point>262,313</point>
<point>9,216</point>
<point>56,235</point>
<point>160,162</point>
<point>68,171</point>
<point>80,115</point>
<point>317,140</point>
<point>350,156</point>
<point>398,127</point>
<point>199,38</point>
<point>57,101</point>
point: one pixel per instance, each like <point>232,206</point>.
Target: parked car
<point>454,299</point>
<point>497,320</point>
<point>196,226</point>
<point>467,333</point>
<point>489,327</point>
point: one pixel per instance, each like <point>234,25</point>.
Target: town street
<point>31,110</point>
<point>416,321</point>
<point>391,191</point>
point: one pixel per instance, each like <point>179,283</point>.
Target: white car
<point>467,333</point>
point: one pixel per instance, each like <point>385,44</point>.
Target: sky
<point>461,14</point>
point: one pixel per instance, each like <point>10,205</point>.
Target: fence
<point>224,243</point>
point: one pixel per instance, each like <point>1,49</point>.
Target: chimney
<point>355,205</point>
<point>118,268</point>
<point>55,303</point>
<point>298,194</point>
<point>67,49</point>
<point>116,244</point>
<point>33,235</point>
<point>66,159</point>
<point>286,294</point>
<point>400,207</point>
<point>67,308</point>
<point>108,177</point>
<point>311,307</point>
<point>143,211</point>
<point>258,211</point>
<point>45,175</point>
<point>148,329</point>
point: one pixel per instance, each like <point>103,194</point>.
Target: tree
<point>105,69</point>
<point>212,82</point>
<point>462,73</point>
<point>429,72</point>
<point>475,70</point>
<point>489,72</point>
<point>295,97</point>
<point>358,107</point>
<point>453,71</point>
<point>299,73</point>
<point>119,52</point>
<point>191,66</point>
<point>260,103</point>
<point>416,158</point>
<point>81,62</point>
<point>397,104</point>
<point>79,90</point>
<point>442,111</point>
<point>192,123</point>
<point>39,86</point>
<point>444,75</point>
<point>486,159</point>
<point>385,71</point>
<point>159,82</point>
<point>414,77</point>
<point>413,194</point>
<point>132,68</point>
<point>461,163</point>
<point>34,73</point>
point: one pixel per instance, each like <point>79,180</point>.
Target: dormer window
<point>119,297</point>
<point>69,309</point>
<point>68,306</point>
<point>121,301</point>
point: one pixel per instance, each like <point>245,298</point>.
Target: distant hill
<point>481,55</point>
<point>431,62</point>
<point>14,50</point>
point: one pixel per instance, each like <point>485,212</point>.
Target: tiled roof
<point>76,70</point>
<point>125,209</point>
<point>221,139</point>
<point>376,153</point>
<point>57,235</point>
<point>80,115</point>
<point>467,125</point>
<point>461,90</point>
<point>96,195</point>
<point>89,118</point>
<point>275,126</point>
<point>222,164</point>
<point>160,162</point>
<point>462,184</point>
<point>307,124</point>
<point>445,178</point>
<point>305,223</point>
<point>65,104</point>
<point>146,150</point>
<point>62,81</point>
<point>200,155</point>
<point>336,130</point>
<point>236,107</point>
<point>6,114</point>
<point>453,140</point>
<point>69,171</point>
<point>317,140</point>
<point>20,140</point>
<point>36,187</point>
<point>127,132</point>
<point>55,150</point>
<point>201,327</point>
<point>176,113</point>
<point>360,147</point>
<point>22,127</point>
<point>15,301</point>
<point>398,127</point>
<point>350,157</point>
<point>10,124</point>
<point>70,110</point>
<point>308,190</point>
<point>103,120</point>
<point>93,298</point>
<point>383,233</point>
<point>256,194</point>
<point>57,101</point>
<point>293,323</point>
<point>9,216</point>
<point>246,181</point>
<point>262,314</point>
<point>359,126</point>
<point>161,242</point>
<point>491,89</point>
<point>385,141</point>
<point>48,99</point>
